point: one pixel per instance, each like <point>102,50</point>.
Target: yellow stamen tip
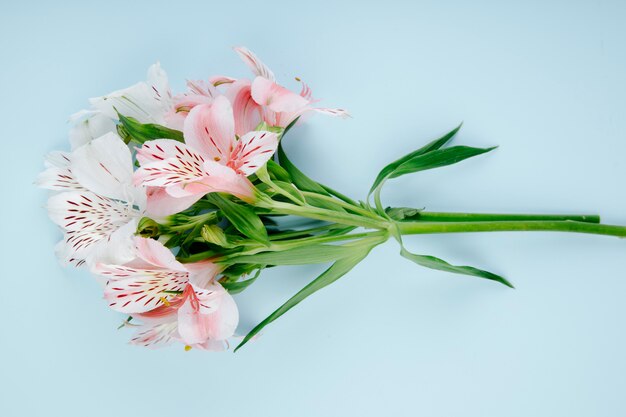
<point>164,301</point>
<point>187,348</point>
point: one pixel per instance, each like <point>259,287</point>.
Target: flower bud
<point>148,228</point>
<point>214,234</point>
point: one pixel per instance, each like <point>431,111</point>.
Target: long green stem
<point>326,215</point>
<point>421,227</point>
<point>431,216</point>
<point>347,206</point>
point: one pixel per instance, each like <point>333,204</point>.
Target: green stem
<point>431,216</point>
<point>304,232</point>
<point>421,227</point>
<point>347,206</point>
<point>323,214</point>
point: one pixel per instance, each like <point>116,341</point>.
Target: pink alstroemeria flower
<point>212,159</point>
<point>278,105</point>
<point>253,102</point>
<point>174,301</point>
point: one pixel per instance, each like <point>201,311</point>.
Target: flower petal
<point>224,179</point>
<point>202,274</point>
<point>145,101</point>
<point>332,112</point>
<point>175,117</point>
<point>58,175</point>
<point>136,290</point>
<point>162,204</point>
<point>247,112</point>
<point>172,163</point>
<point>276,97</point>
<point>156,254</point>
<point>209,314</point>
<point>210,129</point>
<point>105,167</point>
<point>254,63</point>
<point>253,150</point>
<point>88,125</point>
<point>155,335</point>
<point>78,211</point>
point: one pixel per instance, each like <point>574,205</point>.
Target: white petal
<point>93,125</point>
<point>136,290</point>
<point>145,101</point>
<point>154,336</point>
<point>58,175</point>
<point>117,248</point>
<point>105,167</point>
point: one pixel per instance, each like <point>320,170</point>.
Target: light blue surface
<point>543,81</point>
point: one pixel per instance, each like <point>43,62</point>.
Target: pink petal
<point>246,111</point>
<point>209,314</point>
<point>157,255</point>
<point>163,204</point>
<point>254,63</point>
<point>183,104</point>
<point>253,150</point>
<point>218,80</point>
<point>224,179</point>
<point>210,129</point>
<point>276,97</point>
<point>202,274</point>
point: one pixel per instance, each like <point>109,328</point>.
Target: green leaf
<point>313,254</point>
<point>301,181</point>
<point>144,132</point>
<point>277,172</point>
<point>242,217</point>
<point>432,146</point>
<point>437,159</point>
<point>332,274</point>
<point>239,286</point>
<point>441,265</point>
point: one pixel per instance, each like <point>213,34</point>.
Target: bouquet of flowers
<point>176,202</point>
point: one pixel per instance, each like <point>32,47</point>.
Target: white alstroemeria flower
<point>99,213</point>
<point>147,101</point>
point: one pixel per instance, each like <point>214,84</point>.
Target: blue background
<point>544,80</point>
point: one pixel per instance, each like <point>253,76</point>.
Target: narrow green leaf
<point>441,265</point>
<point>313,254</point>
<point>242,217</point>
<point>301,181</point>
<point>438,158</point>
<point>144,132</point>
<point>332,274</point>
<point>432,146</point>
